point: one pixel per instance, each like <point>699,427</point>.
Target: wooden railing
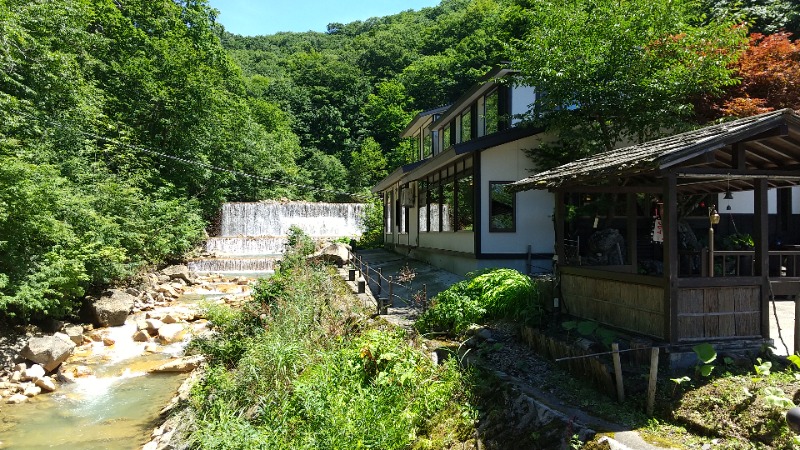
<point>738,263</point>
<point>372,278</point>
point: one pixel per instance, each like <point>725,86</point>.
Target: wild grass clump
<point>484,295</point>
<point>306,372</point>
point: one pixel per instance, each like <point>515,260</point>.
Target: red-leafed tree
<point>770,77</point>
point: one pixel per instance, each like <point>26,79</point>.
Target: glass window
<point>448,206</point>
<point>464,203</point>
<point>491,116</point>
<point>387,213</point>
<point>466,125</point>
<point>423,206</point>
<point>502,207</point>
<point>427,147</point>
<point>446,137</point>
<point>434,207</point>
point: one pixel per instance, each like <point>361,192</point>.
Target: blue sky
<point>256,17</point>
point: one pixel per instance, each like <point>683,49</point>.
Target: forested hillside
<point>121,121</point>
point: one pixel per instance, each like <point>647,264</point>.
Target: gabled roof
<point>768,152</point>
<point>424,167</point>
<point>487,82</point>
<point>420,119</point>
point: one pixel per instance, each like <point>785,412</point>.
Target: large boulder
<point>171,332</point>
<point>179,272</point>
<point>336,253</point>
<point>113,308</point>
<point>48,351</point>
<point>181,365</point>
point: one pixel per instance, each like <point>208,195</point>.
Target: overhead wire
<point>195,162</point>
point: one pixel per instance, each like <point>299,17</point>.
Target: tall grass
<point>306,372</point>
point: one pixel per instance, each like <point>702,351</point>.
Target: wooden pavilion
<point>696,294</point>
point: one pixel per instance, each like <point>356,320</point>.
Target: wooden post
<point>380,281</point>
<point>651,387</point>
<point>424,297</point>
<point>391,291</point>
<point>560,215</point>
<point>632,225</point>
<point>670,221</point>
<point>761,237</point>
<point>618,372</point>
<point>796,349</point>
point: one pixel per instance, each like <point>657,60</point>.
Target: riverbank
<point>111,387</point>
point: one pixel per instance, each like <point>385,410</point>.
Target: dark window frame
<point>492,228</point>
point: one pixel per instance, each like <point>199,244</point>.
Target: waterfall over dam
<point>253,235</point>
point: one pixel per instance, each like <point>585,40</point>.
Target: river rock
<point>108,342</point>
<point>75,333</point>
<point>336,253</point>
<point>181,365</point>
<point>17,399</point>
<point>141,336</point>
<point>46,384</point>
<point>33,372</point>
<point>112,308</point>
<point>170,318</point>
<point>82,371</point>
<point>32,390</point>
<point>16,377</point>
<point>179,272</point>
<point>153,325</point>
<point>171,332</point>
<point>167,291</point>
<point>19,367</point>
<point>49,351</point>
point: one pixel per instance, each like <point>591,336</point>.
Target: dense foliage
<point>769,71</point>
<point>491,294</point>
<point>617,73</point>
<point>298,369</point>
<point>98,98</point>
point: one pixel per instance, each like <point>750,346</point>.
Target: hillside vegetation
<point>120,122</point>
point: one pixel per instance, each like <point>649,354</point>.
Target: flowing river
<point>118,404</point>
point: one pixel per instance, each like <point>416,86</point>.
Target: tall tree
<point>770,78</point>
<point>617,72</point>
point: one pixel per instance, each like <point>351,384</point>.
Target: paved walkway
<point>781,326</point>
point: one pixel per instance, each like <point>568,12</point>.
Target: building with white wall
<point>450,207</point>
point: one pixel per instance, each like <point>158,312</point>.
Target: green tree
<point>368,165</point>
<point>614,73</point>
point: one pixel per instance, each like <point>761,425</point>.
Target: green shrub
<point>490,294</point>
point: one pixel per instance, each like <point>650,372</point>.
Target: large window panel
<point>466,125</point>
<point>464,199</point>
<point>491,113</point>
<point>423,206</point>
<point>387,213</point>
<point>434,207</point>
<point>427,146</point>
<point>502,207</point>
<point>448,206</point>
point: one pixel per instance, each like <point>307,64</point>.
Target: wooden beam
<point>560,216</point>
<point>739,157</point>
<point>779,131</point>
<point>670,223</point>
<point>632,224</point>
<point>761,231</point>
<point>709,172</point>
<point>582,189</point>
